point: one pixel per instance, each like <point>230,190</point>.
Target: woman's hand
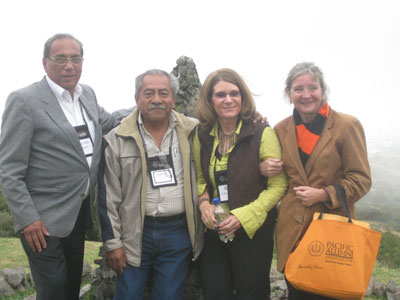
<point>271,167</point>
<point>229,225</point>
<point>309,195</point>
<point>207,215</point>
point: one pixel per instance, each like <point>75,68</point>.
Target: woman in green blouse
<point>228,148</point>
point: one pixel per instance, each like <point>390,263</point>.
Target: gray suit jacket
<point>43,170</point>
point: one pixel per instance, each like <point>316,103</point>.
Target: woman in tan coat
<point>321,149</point>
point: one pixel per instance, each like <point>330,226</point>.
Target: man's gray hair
<point>59,36</point>
<point>173,81</point>
<point>307,68</point>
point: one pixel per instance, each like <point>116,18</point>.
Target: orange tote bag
<point>336,256</point>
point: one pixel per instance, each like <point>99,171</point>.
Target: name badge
<point>85,139</point>
<point>161,170</point>
<point>163,177</point>
<point>223,192</point>
<point>221,181</point>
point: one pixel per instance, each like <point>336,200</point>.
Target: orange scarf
<point>308,134</point>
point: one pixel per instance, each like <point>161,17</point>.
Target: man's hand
<point>259,118</point>
<point>117,260</point>
<point>271,167</point>
<point>34,235</point>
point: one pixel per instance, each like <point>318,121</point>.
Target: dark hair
<point>173,81</point>
<point>59,36</point>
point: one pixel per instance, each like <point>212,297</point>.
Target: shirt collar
<point>171,122</point>
<point>61,92</point>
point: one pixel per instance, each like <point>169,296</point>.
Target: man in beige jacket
<point>147,193</point>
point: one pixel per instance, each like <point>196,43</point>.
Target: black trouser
<point>243,265</point>
<point>57,270</point>
<point>300,295</point>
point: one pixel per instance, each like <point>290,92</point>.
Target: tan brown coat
<point>340,156</point>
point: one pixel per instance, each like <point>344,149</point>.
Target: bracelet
<point>201,200</point>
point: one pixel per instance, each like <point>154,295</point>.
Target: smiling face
<point>227,100</point>
<point>155,100</point>
<point>306,96</point>
<point>66,75</point>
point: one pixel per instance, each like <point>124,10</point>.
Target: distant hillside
<point>382,203</point>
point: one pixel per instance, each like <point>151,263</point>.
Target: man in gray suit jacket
<point>50,148</point>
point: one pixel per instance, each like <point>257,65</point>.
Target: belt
<point>166,218</point>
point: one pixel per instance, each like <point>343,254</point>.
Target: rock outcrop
<point>189,86</point>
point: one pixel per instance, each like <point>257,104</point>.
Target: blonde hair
<point>205,110</point>
<point>315,73</point>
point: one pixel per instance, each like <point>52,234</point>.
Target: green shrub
<point>3,204</point>
<point>6,224</point>
<point>94,235</point>
<point>389,250</point>
<point>6,220</point>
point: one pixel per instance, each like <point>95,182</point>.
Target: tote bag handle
<point>342,198</point>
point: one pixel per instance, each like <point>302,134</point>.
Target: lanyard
<point>163,156</point>
<point>160,167</point>
<point>221,179</point>
<point>84,120</point>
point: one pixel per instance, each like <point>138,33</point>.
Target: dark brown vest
<point>245,181</point>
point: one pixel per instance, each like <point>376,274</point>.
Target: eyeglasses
<point>62,60</point>
<point>232,94</point>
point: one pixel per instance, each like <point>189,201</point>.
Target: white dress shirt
<point>72,108</point>
<point>73,112</point>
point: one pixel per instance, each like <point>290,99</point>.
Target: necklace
<point>223,135</point>
<point>226,141</point>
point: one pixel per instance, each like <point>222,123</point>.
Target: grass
<point>384,274</point>
<point>12,254</point>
